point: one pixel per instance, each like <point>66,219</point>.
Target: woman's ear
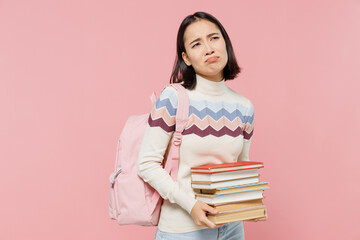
<point>186,59</point>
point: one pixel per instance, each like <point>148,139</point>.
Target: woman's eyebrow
<point>209,35</point>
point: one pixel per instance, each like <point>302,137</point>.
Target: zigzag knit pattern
<point>205,118</point>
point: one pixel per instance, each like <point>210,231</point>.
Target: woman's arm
<point>248,130</point>
<point>244,155</point>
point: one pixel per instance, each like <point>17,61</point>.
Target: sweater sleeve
<point>158,133</point>
<point>248,132</point>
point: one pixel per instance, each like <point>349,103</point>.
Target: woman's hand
<point>198,213</point>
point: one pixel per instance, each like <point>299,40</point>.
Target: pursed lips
<point>211,59</point>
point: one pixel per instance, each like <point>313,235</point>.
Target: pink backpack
<point>133,201</point>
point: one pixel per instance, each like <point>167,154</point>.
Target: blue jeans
<point>230,231</point>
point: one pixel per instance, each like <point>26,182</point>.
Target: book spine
<point>231,170</point>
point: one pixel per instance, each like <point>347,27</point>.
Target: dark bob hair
<point>183,73</point>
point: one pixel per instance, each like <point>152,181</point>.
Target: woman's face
<point>205,49</point>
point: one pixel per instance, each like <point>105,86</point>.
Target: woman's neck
<point>216,78</point>
<point>209,87</point>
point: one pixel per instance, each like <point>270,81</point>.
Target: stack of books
<point>233,189</point>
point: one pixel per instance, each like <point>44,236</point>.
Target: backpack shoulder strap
<point>182,112</point>
<point>182,117</point>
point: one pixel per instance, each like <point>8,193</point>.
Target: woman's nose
<point>208,49</point>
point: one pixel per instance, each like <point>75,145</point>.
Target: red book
<point>227,167</point>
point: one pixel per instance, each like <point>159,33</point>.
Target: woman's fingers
<point>209,209</point>
<point>219,225</point>
<point>198,213</point>
<point>209,223</point>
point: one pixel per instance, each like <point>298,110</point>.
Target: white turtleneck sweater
<point>219,130</point>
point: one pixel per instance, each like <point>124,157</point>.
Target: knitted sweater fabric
<point>219,130</point>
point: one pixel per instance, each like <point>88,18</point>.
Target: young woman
<point>219,129</point>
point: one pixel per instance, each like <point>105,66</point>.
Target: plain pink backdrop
<point>72,71</point>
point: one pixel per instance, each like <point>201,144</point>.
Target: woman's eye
<point>198,43</point>
<point>195,45</point>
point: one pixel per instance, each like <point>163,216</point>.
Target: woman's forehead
<point>199,29</point>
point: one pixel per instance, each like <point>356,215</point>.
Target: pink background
<point>71,72</point>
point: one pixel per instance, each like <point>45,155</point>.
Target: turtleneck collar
<point>206,86</point>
